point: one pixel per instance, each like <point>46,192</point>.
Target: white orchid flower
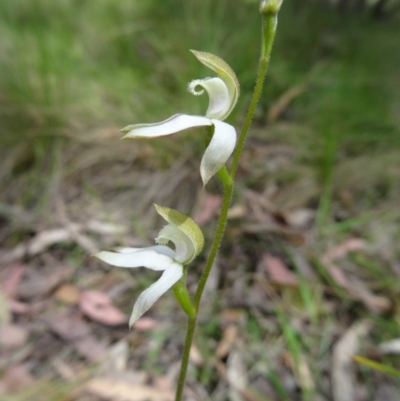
<point>188,239</point>
<point>223,92</point>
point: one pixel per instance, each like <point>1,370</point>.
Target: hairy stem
<point>269,29</point>
<point>185,357</point>
<point>268,35</point>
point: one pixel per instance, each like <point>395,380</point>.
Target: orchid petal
<point>146,258</point>
<point>225,73</point>
<point>184,248</point>
<point>148,297</point>
<point>165,250</point>
<point>218,94</point>
<point>218,151</point>
<point>172,125</point>
<point>187,226</point>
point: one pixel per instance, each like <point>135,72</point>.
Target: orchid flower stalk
<point>223,93</point>
<point>269,10</point>
<point>188,239</point>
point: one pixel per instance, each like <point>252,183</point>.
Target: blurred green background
<point>69,68</point>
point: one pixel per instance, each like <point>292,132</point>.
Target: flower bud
<point>270,6</point>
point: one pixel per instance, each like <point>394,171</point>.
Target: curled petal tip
<point>225,72</point>
<point>218,93</point>
<point>186,226</point>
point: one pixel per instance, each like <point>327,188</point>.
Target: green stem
<point>269,29</point>
<point>226,202</point>
<point>185,357</point>
<point>182,295</point>
<point>268,35</point>
<point>224,176</point>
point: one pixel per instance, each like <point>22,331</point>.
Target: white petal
<point>176,123</point>
<point>218,94</point>
<point>146,258</point>
<point>186,226</point>
<point>224,72</point>
<point>220,148</point>
<point>126,249</point>
<point>184,248</point>
<point>148,297</point>
<point>165,250</point>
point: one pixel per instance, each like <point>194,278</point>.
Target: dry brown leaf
<point>236,212</point>
<point>344,383</point>
<point>120,391</point>
<point>347,198</point>
<point>305,376</point>
<point>47,238</point>
<point>355,288</point>
<point>13,279</point>
<point>74,230</point>
<point>236,373</point>
<point>21,308</point>
<point>106,228</point>
<point>232,315</point>
<point>37,244</point>
<point>340,251</point>
<point>338,275</point>
<point>301,370</point>
<point>5,308</point>
<point>12,255</point>
<point>69,327</point>
<point>298,218</point>
<point>145,324</point>
<point>39,283</point>
<point>278,271</point>
<point>375,303</point>
<point>90,348</point>
<point>78,333</point>
<point>68,294</point>
<point>195,356</point>
<point>163,383</point>
<point>293,236</point>
<point>358,290</point>
<point>12,336</point>
<point>99,307</point>
<point>228,340</point>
